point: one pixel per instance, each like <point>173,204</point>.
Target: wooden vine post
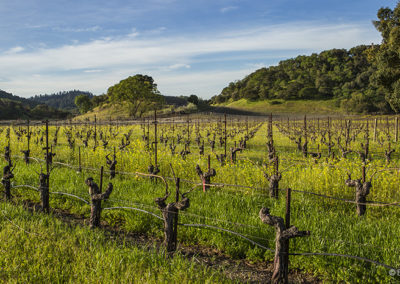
<point>225,135</point>
<point>79,159</point>
<point>44,179</point>
<point>153,169</point>
<point>7,149</point>
<point>206,177</point>
<point>96,197</point>
<point>329,138</point>
<point>111,163</point>
<point>155,137</point>
<point>6,180</point>
<point>304,148</point>
<point>396,137</point>
<point>274,179</point>
<point>284,232</point>
<point>170,217</point>
<point>176,219</point>
<point>27,152</point>
<point>95,131</point>
<point>362,187</point>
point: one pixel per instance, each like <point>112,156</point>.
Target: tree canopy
<point>338,74</point>
<point>362,79</point>
<point>386,56</point>
<point>83,103</point>
<point>139,92</point>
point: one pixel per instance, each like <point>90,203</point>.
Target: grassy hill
<point>279,106</point>
<point>109,111</point>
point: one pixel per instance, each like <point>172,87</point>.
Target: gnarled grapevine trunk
<point>281,245</point>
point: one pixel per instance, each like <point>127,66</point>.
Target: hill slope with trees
<point>62,100</point>
<point>340,74</point>
<point>363,79</point>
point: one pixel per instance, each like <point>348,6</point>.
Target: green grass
<point>121,112</point>
<point>38,248</point>
<point>334,225</point>
<point>279,106</point>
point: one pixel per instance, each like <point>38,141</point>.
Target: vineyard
<point>319,195</point>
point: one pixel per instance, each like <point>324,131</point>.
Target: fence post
<point>225,135</point>
<point>397,129</point>
<point>155,138</point>
<point>27,152</point>
<point>95,131</point>
<point>79,159</point>
<point>176,219</point>
<point>287,224</point>
<point>44,179</point>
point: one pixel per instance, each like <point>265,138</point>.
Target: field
<point>223,213</point>
<point>289,107</point>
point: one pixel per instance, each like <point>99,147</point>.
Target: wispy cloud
<point>179,66</point>
<point>15,50</point>
<point>93,71</point>
<point>98,64</point>
<point>77,30</point>
<point>228,9</point>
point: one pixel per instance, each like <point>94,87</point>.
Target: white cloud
<point>134,33</point>
<point>228,9</point>
<point>15,50</point>
<point>93,71</point>
<point>77,30</point>
<point>179,66</point>
<point>98,64</point>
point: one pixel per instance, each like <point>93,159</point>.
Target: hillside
<point>14,107</point>
<point>343,75</point>
<point>106,111</point>
<point>9,96</point>
<point>292,107</point>
<point>62,100</point>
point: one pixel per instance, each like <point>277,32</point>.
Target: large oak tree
<point>139,92</point>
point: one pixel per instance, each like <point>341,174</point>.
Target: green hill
<point>265,107</point>
<point>345,76</point>
<point>14,107</point>
<point>62,100</point>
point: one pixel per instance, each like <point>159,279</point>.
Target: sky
<point>187,46</point>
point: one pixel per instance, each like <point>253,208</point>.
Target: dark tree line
<point>62,100</point>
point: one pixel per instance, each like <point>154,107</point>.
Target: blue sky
<point>188,47</point>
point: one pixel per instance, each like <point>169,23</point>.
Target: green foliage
<point>334,225</point>
<point>193,99</point>
<point>386,56</point>
<point>332,74</point>
<point>99,100</point>
<point>61,100</point>
<point>11,109</point>
<point>45,111</point>
<point>38,248</point>
<point>83,103</point>
<point>139,91</point>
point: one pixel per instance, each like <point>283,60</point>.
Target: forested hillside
<point>14,107</point>
<point>62,100</point>
<point>9,96</point>
<point>344,75</point>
